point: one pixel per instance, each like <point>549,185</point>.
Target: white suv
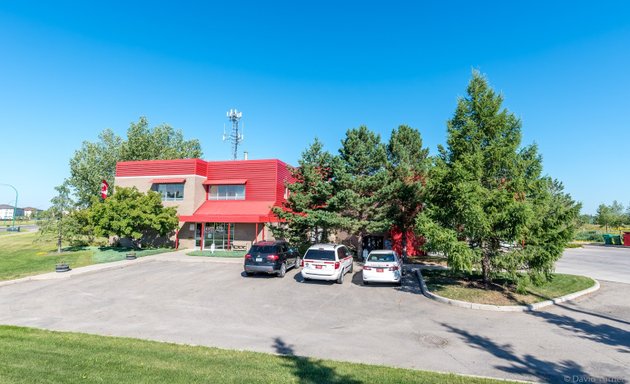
<point>326,262</point>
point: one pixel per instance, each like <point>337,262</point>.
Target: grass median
<point>465,287</point>
<point>25,254</point>
<point>36,356</point>
<point>218,253</point>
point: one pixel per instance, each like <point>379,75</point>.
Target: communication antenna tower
<point>235,136</point>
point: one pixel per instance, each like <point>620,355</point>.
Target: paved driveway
<point>210,303</point>
<point>611,263</point>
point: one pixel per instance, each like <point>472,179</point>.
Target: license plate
<point>259,259</point>
<point>379,269</point>
<point>318,266</point>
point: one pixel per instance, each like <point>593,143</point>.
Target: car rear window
<point>263,249</point>
<point>319,254</point>
<point>381,257</point>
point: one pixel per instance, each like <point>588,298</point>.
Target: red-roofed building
<point>227,203</point>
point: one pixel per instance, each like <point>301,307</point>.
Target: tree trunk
<point>403,238</point>
<point>485,269</point>
<point>59,237</point>
<point>360,246</point>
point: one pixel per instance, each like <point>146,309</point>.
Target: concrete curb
<point>502,308</point>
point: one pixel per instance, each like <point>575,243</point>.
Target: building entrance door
<point>198,237</point>
<point>221,234</point>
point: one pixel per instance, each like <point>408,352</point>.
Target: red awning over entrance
<point>168,181</point>
<point>232,211</point>
<point>225,182</point>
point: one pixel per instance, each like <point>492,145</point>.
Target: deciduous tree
<point>56,218</point>
<point>129,213</point>
<point>96,161</point>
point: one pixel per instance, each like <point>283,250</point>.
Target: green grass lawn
<point>25,254</point>
<point>469,288</point>
<point>218,253</point>
<point>37,356</point>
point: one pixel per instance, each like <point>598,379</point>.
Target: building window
<point>226,192</point>
<point>170,192</point>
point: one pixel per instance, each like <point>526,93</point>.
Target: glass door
<point>198,236</point>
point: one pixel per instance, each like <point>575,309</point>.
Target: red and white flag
<point>104,189</point>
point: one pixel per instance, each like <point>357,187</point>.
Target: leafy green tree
<point>359,175</point>
<point>487,195</point>
<point>93,163</point>
<point>159,143</point>
<point>55,219</point>
<point>97,161</point>
<point>129,213</point>
<point>306,215</point>
<point>555,220</point>
<point>403,192</point>
<point>611,215</point>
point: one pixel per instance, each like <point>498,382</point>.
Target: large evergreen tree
<point>306,215</point>
<point>359,175</point>
<point>403,192</point>
<point>487,194</point>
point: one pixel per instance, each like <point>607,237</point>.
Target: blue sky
<point>298,70</point>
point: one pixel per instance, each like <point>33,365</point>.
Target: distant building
<point>30,211</point>
<point>6,212</point>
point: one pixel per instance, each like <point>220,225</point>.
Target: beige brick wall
<point>194,191</point>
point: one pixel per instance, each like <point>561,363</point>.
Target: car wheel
<point>340,278</point>
<point>249,274</point>
<point>297,263</point>
<point>283,270</point>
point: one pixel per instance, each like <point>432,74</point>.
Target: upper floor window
<point>170,192</point>
<point>226,192</point>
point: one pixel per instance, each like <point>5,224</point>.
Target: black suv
<point>271,257</point>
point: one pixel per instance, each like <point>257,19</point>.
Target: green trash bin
<point>607,239</point>
<point>616,239</point>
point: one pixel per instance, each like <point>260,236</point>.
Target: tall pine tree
<point>486,192</point>
<point>359,175</point>
<point>306,215</point>
<point>407,167</point>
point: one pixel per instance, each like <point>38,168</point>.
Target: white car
<point>383,266</point>
<point>326,262</point>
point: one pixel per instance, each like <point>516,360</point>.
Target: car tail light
<point>394,268</point>
<point>336,265</point>
<point>273,257</point>
<point>248,256</point>
<point>366,268</point>
<point>302,263</point>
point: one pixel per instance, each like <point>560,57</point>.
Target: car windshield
<point>381,257</point>
<point>263,249</point>
<point>319,254</point>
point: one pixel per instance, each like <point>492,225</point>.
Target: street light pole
<point>14,206</point>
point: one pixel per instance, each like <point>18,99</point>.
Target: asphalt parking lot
<point>203,302</point>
